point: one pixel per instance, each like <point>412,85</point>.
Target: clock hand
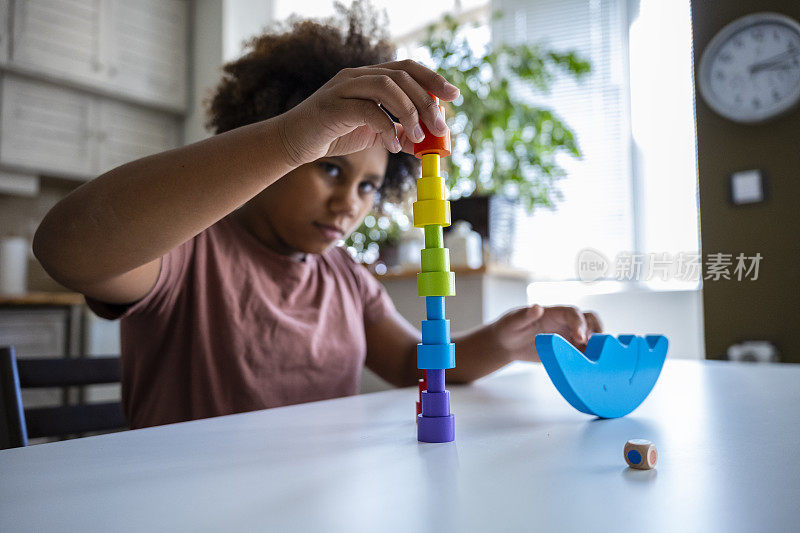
<point>776,66</point>
<point>774,60</point>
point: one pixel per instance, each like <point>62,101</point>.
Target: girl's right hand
<point>344,116</point>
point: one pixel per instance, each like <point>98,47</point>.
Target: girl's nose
<point>345,200</point>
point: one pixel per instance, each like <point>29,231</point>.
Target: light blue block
<point>436,356</point>
<point>435,307</point>
<point>614,376</point>
<point>436,331</point>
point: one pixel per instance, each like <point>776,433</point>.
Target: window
<point>635,190</point>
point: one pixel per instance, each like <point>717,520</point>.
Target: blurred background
<point>587,165</point>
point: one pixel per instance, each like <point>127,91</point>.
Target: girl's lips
<point>329,232</point>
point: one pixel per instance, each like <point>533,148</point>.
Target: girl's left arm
<point>392,342</point>
<point>392,352</point>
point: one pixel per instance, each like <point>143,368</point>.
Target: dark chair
<point>18,425</point>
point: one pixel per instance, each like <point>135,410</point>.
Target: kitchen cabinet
<point>134,49</point>
<point>129,132</point>
<point>47,129</point>
<point>4,37</point>
<point>148,50</point>
<point>60,37</point>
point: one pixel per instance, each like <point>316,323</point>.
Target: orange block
<point>432,144</point>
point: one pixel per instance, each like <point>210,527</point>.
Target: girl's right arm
<point>107,237</point>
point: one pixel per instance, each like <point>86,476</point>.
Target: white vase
<point>466,250</point>
<point>13,265</point>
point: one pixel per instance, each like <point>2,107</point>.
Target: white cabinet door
<point>4,36</point>
<point>148,49</point>
<point>138,48</point>
<point>47,129</point>
<point>62,37</point>
<point>129,132</point>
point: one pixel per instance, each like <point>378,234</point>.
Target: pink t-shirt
<point>232,326</point>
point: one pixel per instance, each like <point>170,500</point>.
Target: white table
<point>727,435</point>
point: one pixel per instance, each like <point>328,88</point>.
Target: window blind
<point>597,207</point>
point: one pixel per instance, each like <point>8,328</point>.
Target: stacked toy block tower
<point>436,353</point>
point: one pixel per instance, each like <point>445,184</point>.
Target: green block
<point>435,259</point>
<point>433,236</point>
<point>436,284</point>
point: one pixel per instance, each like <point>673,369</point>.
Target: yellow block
<point>431,189</point>
<point>431,212</point>
<point>430,165</point>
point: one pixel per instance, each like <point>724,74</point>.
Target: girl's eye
<point>331,170</point>
<point>367,186</point>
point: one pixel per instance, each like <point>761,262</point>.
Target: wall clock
<point>750,71</point>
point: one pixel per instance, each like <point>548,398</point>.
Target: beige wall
<point>769,308</point>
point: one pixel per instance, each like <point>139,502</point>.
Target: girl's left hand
<point>514,331</point>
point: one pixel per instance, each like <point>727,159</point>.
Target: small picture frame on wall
<point>747,187</point>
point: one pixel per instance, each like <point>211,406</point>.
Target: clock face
<point>750,71</point>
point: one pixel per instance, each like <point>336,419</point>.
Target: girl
<point>219,256</point>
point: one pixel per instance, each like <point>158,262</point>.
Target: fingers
<point>528,315</point>
<point>430,81</point>
<point>593,323</point>
<point>521,318</point>
<point>400,95</point>
<point>573,324</point>
<point>423,106</point>
<point>371,115</point>
<point>406,144</point>
<point>416,81</point>
<point>535,312</point>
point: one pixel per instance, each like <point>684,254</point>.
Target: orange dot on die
<point>653,457</point>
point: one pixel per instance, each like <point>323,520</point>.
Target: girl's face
<point>315,205</point>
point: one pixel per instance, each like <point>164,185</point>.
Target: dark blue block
<point>436,403</point>
<point>435,381</point>
<point>436,428</point>
<point>436,331</point>
<point>436,356</point>
<point>435,307</point>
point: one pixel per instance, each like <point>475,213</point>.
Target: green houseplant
<point>503,146</point>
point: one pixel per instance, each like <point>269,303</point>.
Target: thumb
<point>406,144</point>
<point>535,312</point>
<point>529,315</point>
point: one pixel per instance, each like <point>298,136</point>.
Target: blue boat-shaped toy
<point>612,378</point>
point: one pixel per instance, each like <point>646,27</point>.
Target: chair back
<point>13,433</point>
<point>59,421</point>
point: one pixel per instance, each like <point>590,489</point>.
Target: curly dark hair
<point>283,67</point>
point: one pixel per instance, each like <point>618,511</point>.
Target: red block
<point>432,144</point>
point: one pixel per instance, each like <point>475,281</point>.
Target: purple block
<point>435,381</point>
<point>436,403</point>
<point>436,428</point>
